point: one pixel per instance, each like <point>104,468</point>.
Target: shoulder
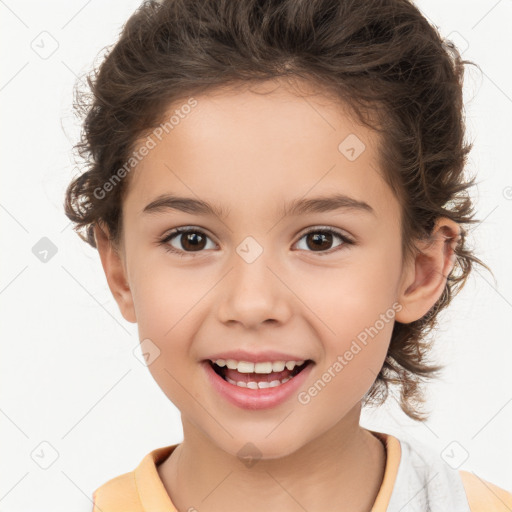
<point>117,495</point>
<point>484,496</point>
<point>137,490</point>
<point>412,465</point>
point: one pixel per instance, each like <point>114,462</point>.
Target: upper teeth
<point>264,367</point>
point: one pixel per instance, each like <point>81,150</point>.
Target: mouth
<point>265,377</point>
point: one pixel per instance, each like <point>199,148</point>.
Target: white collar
<point>426,483</point>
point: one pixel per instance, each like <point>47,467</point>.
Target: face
<point>259,279</point>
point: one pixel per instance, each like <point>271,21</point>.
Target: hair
<point>380,58</point>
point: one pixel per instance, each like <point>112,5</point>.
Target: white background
<point>69,376</point>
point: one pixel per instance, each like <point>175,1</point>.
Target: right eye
<point>192,240</point>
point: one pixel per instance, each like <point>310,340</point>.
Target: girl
<point>276,190</point>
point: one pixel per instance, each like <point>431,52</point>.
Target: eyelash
<point>178,231</point>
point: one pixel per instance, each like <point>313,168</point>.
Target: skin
<point>251,153</point>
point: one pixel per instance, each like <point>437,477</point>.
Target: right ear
<point>115,272</point>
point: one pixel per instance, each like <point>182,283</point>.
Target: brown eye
<point>192,241</point>
<point>321,240</point>
<point>185,241</point>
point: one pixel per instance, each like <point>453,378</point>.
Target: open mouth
<point>257,380</point>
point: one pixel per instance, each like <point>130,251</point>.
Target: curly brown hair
<point>381,58</point>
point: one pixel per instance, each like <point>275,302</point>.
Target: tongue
<point>256,377</point>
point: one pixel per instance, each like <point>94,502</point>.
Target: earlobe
<point>426,275</point>
<point>115,273</point>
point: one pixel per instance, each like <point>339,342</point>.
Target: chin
<point>252,448</point>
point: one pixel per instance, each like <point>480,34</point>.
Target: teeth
<point>263,367</point>
<point>245,367</point>
<point>278,366</point>
<point>258,385</point>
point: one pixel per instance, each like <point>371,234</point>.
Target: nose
<point>253,293</point>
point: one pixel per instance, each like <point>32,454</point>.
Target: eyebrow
<point>323,204</point>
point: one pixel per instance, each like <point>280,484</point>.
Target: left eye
<point>319,238</point>
<point>194,240</point>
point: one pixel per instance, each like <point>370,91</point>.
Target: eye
<point>190,239</point>
<point>322,238</point>
<point>193,240</point>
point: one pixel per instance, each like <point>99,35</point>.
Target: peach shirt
<point>142,490</point>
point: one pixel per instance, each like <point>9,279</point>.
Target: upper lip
<point>259,357</point>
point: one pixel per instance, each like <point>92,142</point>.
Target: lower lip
<point>247,398</point>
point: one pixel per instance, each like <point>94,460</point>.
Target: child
<point>264,129</point>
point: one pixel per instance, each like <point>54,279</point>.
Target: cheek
<point>164,298</point>
<point>354,310</point>
<point>166,321</point>
<point>353,297</point>
<point>352,358</point>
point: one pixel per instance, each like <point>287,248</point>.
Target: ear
<point>115,272</point>
<point>424,277</point>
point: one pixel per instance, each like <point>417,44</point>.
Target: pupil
<point>192,238</point>
<point>318,239</point>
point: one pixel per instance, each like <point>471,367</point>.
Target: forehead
<point>260,146</point>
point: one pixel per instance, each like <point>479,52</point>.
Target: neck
<point>345,465</point>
